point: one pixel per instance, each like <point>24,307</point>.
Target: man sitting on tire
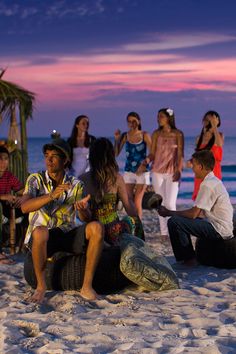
<point>51,199</point>
<point>211,217</point>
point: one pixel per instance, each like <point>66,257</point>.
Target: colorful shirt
<point>9,182</point>
<point>106,213</point>
<point>218,155</point>
<point>135,154</point>
<point>57,213</point>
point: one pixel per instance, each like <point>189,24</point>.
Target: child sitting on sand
<point>8,183</point>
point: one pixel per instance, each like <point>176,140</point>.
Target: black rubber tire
<point>151,200</point>
<point>66,272</point>
<point>220,253</point>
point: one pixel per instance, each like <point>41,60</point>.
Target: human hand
<point>163,211</point>
<point>82,204</point>
<point>189,164</point>
<point>141,169</point>
<point>10,198</point>
<point>214,121</point>
<point>117,134</point>
<point>17,203</point>
<point>59,190</point>
<point>176,176</point>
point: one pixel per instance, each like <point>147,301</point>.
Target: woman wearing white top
<point>80,141</point>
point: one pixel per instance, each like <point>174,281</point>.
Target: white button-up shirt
<point>213,199</point>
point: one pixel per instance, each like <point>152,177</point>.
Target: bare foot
<point>38,296</point>
<point>89,294</point>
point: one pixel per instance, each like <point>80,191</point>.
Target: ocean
<point>186,185</point>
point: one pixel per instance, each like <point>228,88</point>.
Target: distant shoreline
<point>65,137</point>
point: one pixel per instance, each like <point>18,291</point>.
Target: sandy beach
<point>200,317</point>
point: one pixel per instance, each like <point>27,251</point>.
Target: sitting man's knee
<point>95,230</point>
<point>40,234</point>
<point>172,221</point>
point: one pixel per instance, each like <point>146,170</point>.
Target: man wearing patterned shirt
<point>51,198</point>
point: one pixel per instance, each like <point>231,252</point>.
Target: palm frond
<point>12,94</point>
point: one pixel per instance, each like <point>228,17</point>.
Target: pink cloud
<point>77,78</point>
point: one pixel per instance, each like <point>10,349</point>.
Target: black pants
<point>73,241</point>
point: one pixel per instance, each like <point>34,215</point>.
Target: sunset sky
<point>105,58</point>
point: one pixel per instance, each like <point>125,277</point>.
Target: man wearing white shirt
<point>211,217</point>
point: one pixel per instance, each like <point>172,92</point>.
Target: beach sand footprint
<point>27,328</point>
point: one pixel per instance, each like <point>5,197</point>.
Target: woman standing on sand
<point>210,139</point>
<point>106,187</point>
<point>136,175</point>
<point>167,153</point>
<point>80,141</point>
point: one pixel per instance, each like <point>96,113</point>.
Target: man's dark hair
<point>52,147</point>
<point>3,150</point>
<point>205,158</point>
<point>60,153</point>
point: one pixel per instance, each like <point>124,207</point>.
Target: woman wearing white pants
<point>163,184</point>
<point>167,156</point>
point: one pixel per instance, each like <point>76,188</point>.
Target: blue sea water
<point>36,163</point>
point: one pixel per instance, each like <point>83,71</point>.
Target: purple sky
<point>106,58</point>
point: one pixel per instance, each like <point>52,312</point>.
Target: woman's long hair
<point>103,166</point>
<point>73,137</point>
<point>169,113</point>
<point>211,142</point>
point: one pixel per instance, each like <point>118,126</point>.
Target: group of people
<point>163,155</point>
<point>82,177</point>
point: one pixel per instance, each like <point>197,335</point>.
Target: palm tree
<point>13,97</point>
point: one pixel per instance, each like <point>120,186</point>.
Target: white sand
<point>200,317</point>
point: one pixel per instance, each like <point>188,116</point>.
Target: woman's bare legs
<point>138,198</point>
<point>94,234</point>
<point>135,193</point>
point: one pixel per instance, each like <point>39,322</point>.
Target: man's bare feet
<point>89,294</point>
<point>38,296</point>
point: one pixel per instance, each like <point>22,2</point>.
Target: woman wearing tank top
<point>136,175</point>
<point>167,153</point>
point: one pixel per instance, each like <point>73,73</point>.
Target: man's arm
<point>191,213</point>
<point>30,203</point>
